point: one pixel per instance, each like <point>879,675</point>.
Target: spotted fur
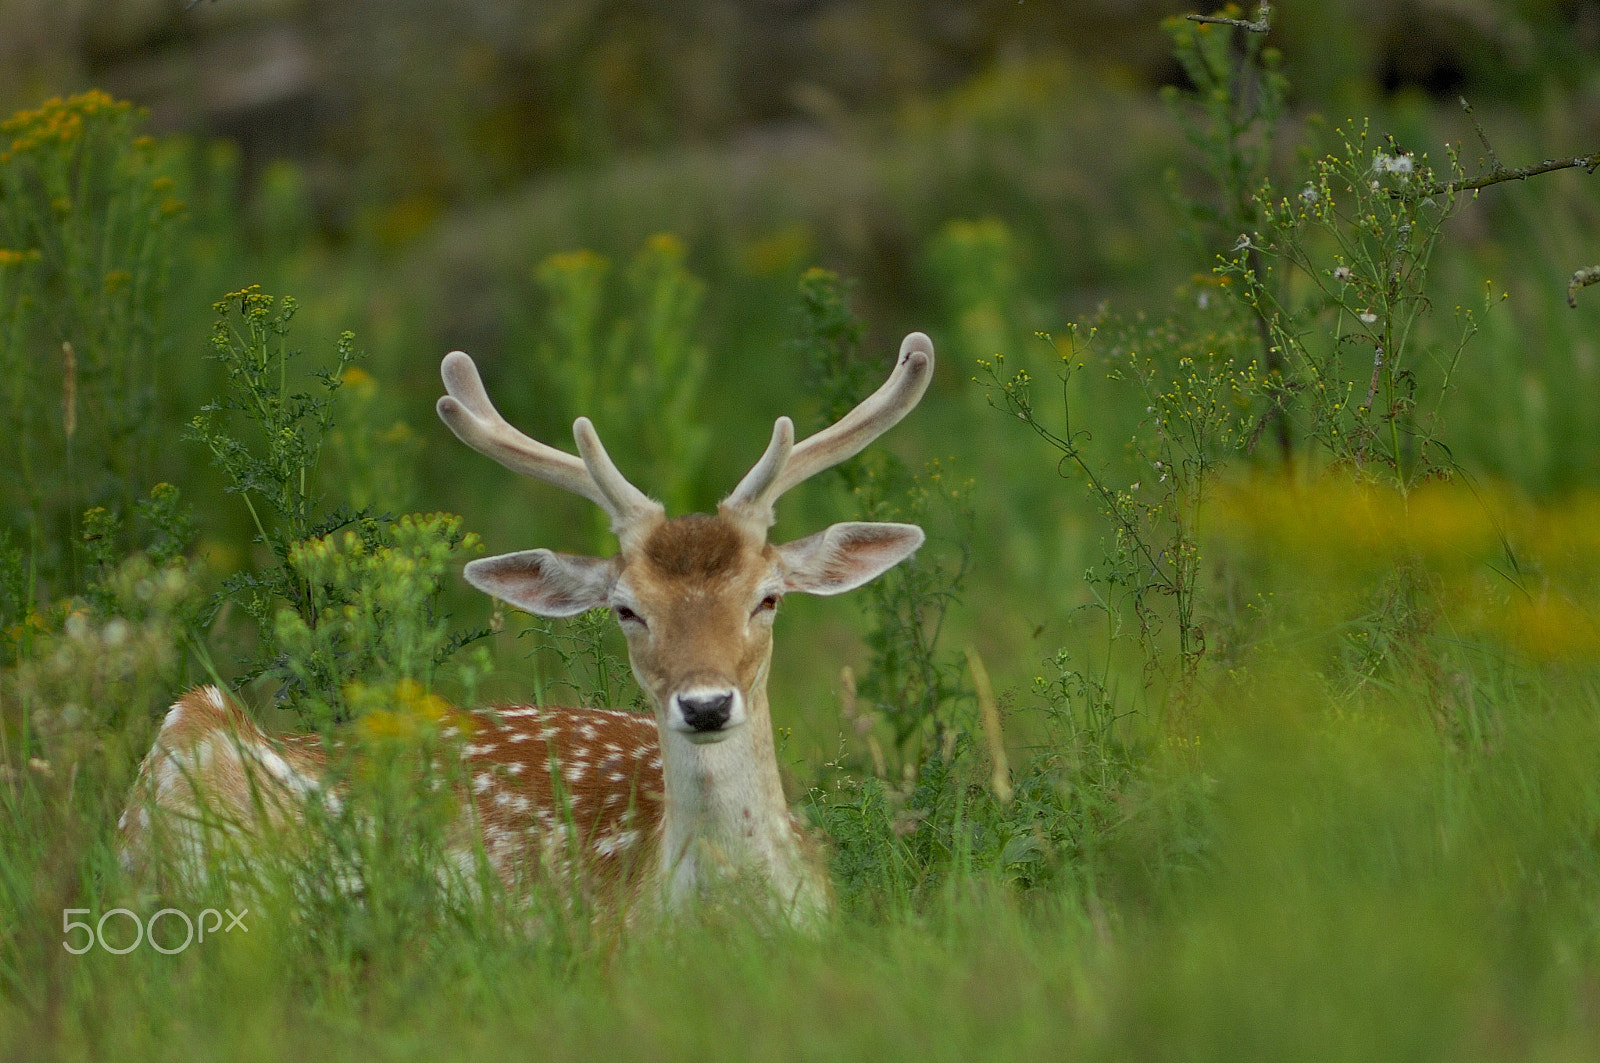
<point>542,787</point>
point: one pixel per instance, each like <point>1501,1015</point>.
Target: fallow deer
<point>671,804</point>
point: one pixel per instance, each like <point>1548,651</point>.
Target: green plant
<point>273,465</point>
<point>88,222</point>
<point>1198,397</point>
<point>332,608</point>
<point>589,665</point>
<point>641,367</point>
<point>909,678</point>
<point>1338,272</point>
<point>375,617</point>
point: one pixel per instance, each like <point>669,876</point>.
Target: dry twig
<point>1498,172</point>
<point>1581,279</point>
<point>1262,24</point>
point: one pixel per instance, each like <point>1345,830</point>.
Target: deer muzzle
<point>706,714</point>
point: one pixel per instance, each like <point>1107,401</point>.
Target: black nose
<point>706,712</point>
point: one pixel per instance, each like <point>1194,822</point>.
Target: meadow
<point>1262,481</point>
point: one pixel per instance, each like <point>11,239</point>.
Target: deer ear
<point>844,556</point>
<point>544,582</point>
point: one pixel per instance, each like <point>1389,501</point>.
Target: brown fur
<point>697,545</point>
<point>579,788</point>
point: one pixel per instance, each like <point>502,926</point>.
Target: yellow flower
<point>359,380</point>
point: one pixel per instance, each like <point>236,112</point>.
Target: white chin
<point>707,738</point>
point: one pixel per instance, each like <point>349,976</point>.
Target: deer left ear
<point>845,556</point>
<point>544,582</point>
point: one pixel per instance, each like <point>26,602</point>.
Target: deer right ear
<point>544,582</point>
<point>844,556</point>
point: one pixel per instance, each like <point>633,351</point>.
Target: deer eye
<point>768,604</point>
<point>628,616</point>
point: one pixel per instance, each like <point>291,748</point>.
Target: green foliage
<point>333,609</point>
<point>1338,272</point>
<point>1230,115</point>
<point>640,368</point>
<point>909,679</point>
<point>375,615</point>
<point>1198,392</point>
<point>268,442</point>
<point>587,662</point>
<point>162,521</point>
<point>16,611</point>
<point>979,274</point>
<point>291,427</point>
<point>88,222</point>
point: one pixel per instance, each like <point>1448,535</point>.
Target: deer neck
<point>726,816</point>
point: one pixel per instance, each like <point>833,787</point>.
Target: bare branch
<point>1581,279</point>
<point>1588,163</point>
<point>1498,172</point>
<point>1262,24</point>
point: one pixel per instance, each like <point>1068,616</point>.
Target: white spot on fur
<point>280,770</point>
<point>612,843</point>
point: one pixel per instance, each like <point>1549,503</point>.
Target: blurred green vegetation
<point>1296,649</point>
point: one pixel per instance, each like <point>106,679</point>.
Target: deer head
<point>694,595</point>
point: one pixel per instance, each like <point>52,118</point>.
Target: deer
<point>667,805</point>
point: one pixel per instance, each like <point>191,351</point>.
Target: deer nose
<point>708,711</point>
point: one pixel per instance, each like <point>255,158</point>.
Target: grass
<point>1363,825</point>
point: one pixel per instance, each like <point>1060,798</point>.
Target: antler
<point>786,463</point>
<point>475,421</point>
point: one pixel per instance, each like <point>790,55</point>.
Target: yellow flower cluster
<point>253,304</point>
<point>58,121</point>
<point>403,710</point>
<point>9,257</point>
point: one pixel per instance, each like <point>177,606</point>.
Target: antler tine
<point>625,502</point>
<point>473,418</point>
<point>761,477</point>
<point>777,472</point>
